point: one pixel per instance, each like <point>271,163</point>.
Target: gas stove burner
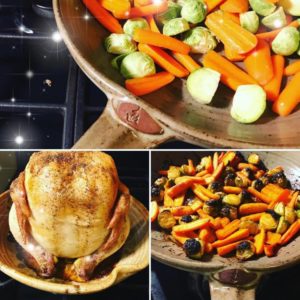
<point>43,8</point>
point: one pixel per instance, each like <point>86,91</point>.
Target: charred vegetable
<point>215,187</point>
<point>166,220</point>
<point>212,207</point>
<point>245,250</point>
<point>257,184</point>
<point>229,212</point>
<point>282,226</point>
<point>230,179</point>
<point>193,248</point>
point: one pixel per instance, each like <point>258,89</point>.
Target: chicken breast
<point>71,198</point>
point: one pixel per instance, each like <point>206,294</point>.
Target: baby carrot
<point>290,233</point>
<point>147,10</point>
<point>187,61</point>
<point>212,4</point>
<point>157,39</point>
<point>252,208</point>
<point>235,6</point>
<point>292,69</point>
<point>152,23</point>
<point>237,236</point>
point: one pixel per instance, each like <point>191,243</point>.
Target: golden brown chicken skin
<point>69,205</point>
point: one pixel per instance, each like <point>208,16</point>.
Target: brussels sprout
<point>172,12</point>
<point>268,222</point>
<point>298,213</point>
<point>193,248</point>
<point>280,179</point>
<point>257,184</point>
<point>166,220</point>
<point>200,39</point>
<point>282,226</point>
<point>254,159</point>
<point>215,187</point>
<point>292,7</point>
<point>212,207</point>
<point>188,219</point>
<point>250,21</point>
<point>116,62</point>
<point>229,212</point>
<point>280,209</point>
<point>275,20</point>
<point>248,173</point>
<point>137,65</point>
<point>232,199</point>
<point>289,215</point>
<point>245,197</point>
<point>245,250</point>
<point>175,26</point>
<point>160,181</point>
<point>230,179</point>
<point>193,11</point>
<point>120,43</point>
<point>241,182</point>
<point>262,7</point>
<point>132,24</point>
<point>248,224</point>
<point>202,84</point>
<point>287,41</point>
<point>174,172</point>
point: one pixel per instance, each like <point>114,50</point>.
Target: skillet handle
<point>124,125</point>
<point>219,291</point>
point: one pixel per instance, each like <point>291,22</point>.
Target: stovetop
<point>133,171</point>
<point>45,99</point>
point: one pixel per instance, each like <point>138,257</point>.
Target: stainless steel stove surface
<point>133,171</point>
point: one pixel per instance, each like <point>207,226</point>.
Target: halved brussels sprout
<point>232,199</point>
<point>166,220</point>
<point>116,62</point>
<point>248,224</point>
<point>262,7</point>
<point>287,41</point>
<point>132,24</point>
<point>229,212</point>
<point>215,187</point>
<point>289,215</point>
<point>212,207</point>
<point>241,182</point>
<point>282,226</point>
<point>175,26</point>
<point>292,7</point>
<point>193,11</point>
<point>193,248</point>
<point>137,65</point>
<point>120,43</point>
<point>275,20</point>
<point>172,12</point>
<point>280,209</point>
<point>245,250</point>
<point>188,219</point>
<point>268,222</point>
<point>250,21</point>
<point>200,39</point>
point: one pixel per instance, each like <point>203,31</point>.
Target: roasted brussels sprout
<point>174,172</point>
<point>229,212</point>
<point>119,43</point>
<point>166,220</point>
<point>229,170</point>
<point>298,213</point>
<point>193,248</point>
<point>241,182</point>
<point>289,215</point>
<point>280,179</point>
<point>245,250</point>
<point>175,26</point>
<point>254,159</point>
<point>245,197</point>
<point>188,219</point>
<point>248,173</point>
<point>232,199</point>
<point>212,207</point>
<point>200,168</point>
<point>193,11</point>
<point>230,179</point>
<point>268,222</point>
<point>282,226</point>
<point>280,209</point>
<point>215,187</point>
<point>287,41</point>
<point>265,180</point>
<point>160,181</point>
<point>248,224</point>
<point>250,21</point>
<point>275,20</point>
<point>137,65</point>
<point>172,12</point>
<point>136,23</point>
<point>200,40</point>
<point>297,204</point>
<point>155,190</point>
<point>257,184</point>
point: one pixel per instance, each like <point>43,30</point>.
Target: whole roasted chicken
<point>69,205</point>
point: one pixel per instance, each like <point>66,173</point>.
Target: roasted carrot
<point>181,211</point>
<point>233,55</point>
<point>259,195</point>
<point>292,68</point>
<point>252,167</point>
<point>198,192</point>
<point>154,210</point>
<point>293,200</point>
<point>290,233</point>
<point>224,221</point>
<point>152,23</point>
<point>252,208</point>
<point>208,248</point>
<point>206,192</point>
<point>119,8</point>
<point>212,4</point>
<point>270,250</point>
<point>232,189</point>
<point>148,10</point>
<point>145,36</point>
<point>201,173</point>
<point>191,168</point>
<point>207,235</point>
<point>103,16</point>
<point>180,188</point>
<point>276,193</point>
<point>215,160</point>
<point>168,201</point>
<point>182,238</point>
<point>146,85</point>
<point>229,156</point>
<point>178,201</point>
<point>259,241</point>
<point>289,98</point>
<point>231,75</point>
<point>224,250</point>
<point>236,236</point>
<point>272,88</point>
<point>258,63</point>
<point>164,60</point>
<point>271,35</point>
<point>216,223</point>
<point>198,224</point>
<point>235,6</point>
<point>187,61</point>
<point>231,34</point>
<point>228,229</point>
<point>196,205</point>
<point>272,238</point>
<point>253,217</point>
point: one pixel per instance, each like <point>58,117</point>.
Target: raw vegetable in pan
<point>226,204</point>
<point>252,38</point>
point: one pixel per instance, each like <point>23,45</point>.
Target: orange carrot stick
<point>164,60</point>
<point>292,203</point>
<point>198,224</point>
<point>252,208</point>
<point>258,63</point>
<point>276,193</point>
<point>181,210</point>
<point>242,166</point>
<point>103,16</point>
<point>152,23</point>
<point>272,88</point>
<point>234,17</point>
<point>290,233</point>
<point>235,6</point>
<point>148,10</point>
<point>228,229</point>
<point>272,238</point>
<point>232,189</point>
<point>143,86</point>
<point>207,192</point>
<point>233,55</point>
<point>224,221</point>
<point>271,35</point>
<point>231,75</point>
<point>215,160</point>
<point>207,235</point>
<point>119,8</point>
<point>178,201</point>
<point>212,4</point>
<point>292,69</point>
<point>259,195</point>
<point>254,217</point>
<point>187,61</point>
<point>231,34</point>
<point>191,167</point>
<point>270,250</point>
<point>237,236</point>
<point>157,39</point>
<point>181,187</point>
<point>259,241</point>
<point>224,250</point>
<point>289,98</point>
